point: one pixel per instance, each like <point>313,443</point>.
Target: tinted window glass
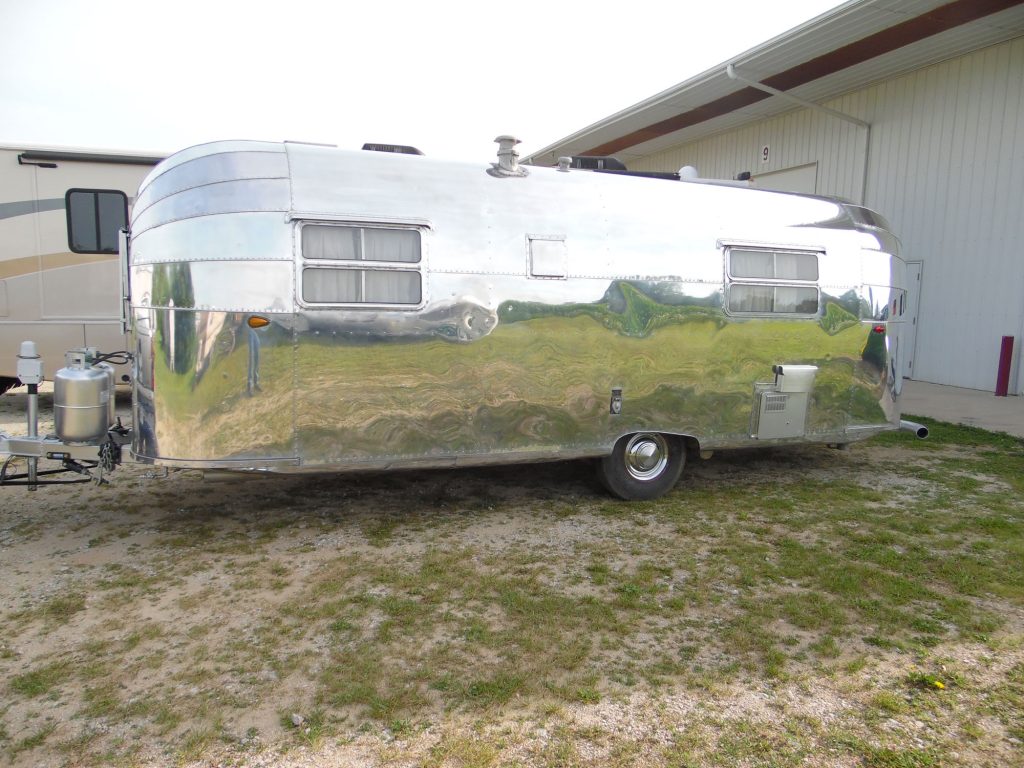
<point>82,217</point>
<point>94,219</point>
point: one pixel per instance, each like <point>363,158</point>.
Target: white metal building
<point>914,108</point>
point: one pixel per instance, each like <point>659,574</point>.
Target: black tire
<point>643,466</point>
<point>6,383</point>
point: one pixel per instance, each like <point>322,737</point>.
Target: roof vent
<point>564,164</point>
<point>508,158</point>
<point>399,149</point>
<point>603,163</point>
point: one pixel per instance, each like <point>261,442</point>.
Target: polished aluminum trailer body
<point>428,313</point>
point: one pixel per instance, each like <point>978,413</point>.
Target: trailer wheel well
<point>692,446</point>
<point>643,465</point>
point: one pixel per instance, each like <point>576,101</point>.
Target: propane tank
<point>93,353</point>
<point>82,396</point>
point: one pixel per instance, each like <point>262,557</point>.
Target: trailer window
<point>773,299</point>
<point>95,216</point>
<point>773,265</point>
<point>360,286</point>
<point>361,244</point>
<point>768,281</point>
<point>335,269</point>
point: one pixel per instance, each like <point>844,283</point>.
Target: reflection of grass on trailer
<point>60,213</point>
<point>711,362</point>
<point>302,308</point>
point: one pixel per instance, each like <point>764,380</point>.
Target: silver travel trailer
<point>299,308</point>
<point>60,212</point>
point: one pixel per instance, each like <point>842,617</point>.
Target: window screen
<point>360,286</point>
<point>773,265</point>
<point>773,299</point>
<point>361,244</point>
<point>339,273</point>
<point>95,217</point>
<point>758,281</point>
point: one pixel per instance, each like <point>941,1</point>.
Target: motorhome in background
<point>60,213</point>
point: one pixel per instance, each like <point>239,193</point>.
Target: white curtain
<point>330,243</point>
<point>361,244</point>
<point>750,298</point>
<point>391,245</point>
<point>361,286</point>
<point>751,264</point>
<point>796,266</point>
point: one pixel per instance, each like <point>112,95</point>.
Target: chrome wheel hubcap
<point>646,456</point>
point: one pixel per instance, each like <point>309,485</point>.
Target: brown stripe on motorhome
<point>28,264</point>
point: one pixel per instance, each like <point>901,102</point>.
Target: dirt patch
<point>784,607</point>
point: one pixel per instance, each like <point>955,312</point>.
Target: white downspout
<point>730,70</point>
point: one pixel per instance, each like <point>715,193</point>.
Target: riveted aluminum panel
<point>493,365</point>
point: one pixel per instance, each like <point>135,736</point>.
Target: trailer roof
<point>847,48</point>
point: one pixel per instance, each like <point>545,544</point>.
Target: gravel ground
<point>161,620</point>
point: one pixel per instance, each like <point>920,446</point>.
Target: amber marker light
<point>255,321</point>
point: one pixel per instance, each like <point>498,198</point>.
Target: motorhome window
<point>361,244</point>
<point>95,217</point>
<point>360,286</point>
<point>773,299</point>
<point>772,265</point>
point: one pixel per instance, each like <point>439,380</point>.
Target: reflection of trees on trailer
<point>60,213</point>
<point>302,308</point>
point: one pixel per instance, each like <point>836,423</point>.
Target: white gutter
<point>730,70</point>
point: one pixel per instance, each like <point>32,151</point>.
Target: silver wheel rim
<point>646,456</point>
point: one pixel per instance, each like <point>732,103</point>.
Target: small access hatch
<point>548,257</point>
<point>780,407</point>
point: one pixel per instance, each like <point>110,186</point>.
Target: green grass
<point>41,680</point>
<point>459,606</point>
<point>33,740</point>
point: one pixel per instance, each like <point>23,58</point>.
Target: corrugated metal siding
<point>796,138</point>
<point>946,166</point>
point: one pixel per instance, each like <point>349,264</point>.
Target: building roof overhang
<point>847,48</point>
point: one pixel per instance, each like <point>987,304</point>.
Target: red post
<point>1005,356</point>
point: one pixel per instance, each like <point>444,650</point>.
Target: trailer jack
<point>67,465</point>
<point>108,456</point>
<point>89,456</point>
